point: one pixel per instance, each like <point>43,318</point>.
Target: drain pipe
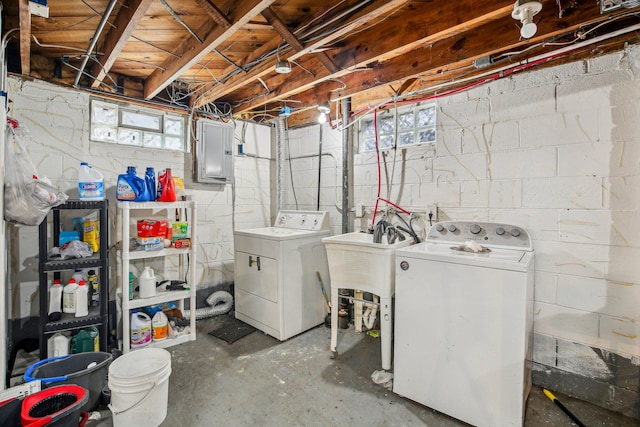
<point>94,40</point>
<point>346,170</point>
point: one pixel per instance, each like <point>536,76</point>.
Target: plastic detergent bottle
<point>94,287</point>
<point>150,178</point>
<point>160,325</point>
<point>82,299</point>
<point>147,283</point>
<point>69,297</point>
<point>86,340</point>
<point>140,329</point>
<point>57,345</point>
<point>77,275</point>
<point>55,297</point>
<point>166,187</point>
<point>90,183</point>
<point>130,187</point>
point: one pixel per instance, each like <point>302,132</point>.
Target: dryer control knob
<point>452,228</point>
<point>440,227</point>
<point>499,231</point>
<point>475,229</point>
<point>515,232</point>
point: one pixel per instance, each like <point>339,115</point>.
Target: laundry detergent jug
<point>140,329</point>
<point>147,283</point>
<point>131,187</point>
<point>166,187</point>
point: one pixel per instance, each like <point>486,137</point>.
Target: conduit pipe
<point>346,140</point>
<point>94,40</point>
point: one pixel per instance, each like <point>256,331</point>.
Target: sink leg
<point>386,331</point>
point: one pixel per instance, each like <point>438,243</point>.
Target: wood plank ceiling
<point>218,56</point>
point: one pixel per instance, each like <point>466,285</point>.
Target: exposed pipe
<point>319,168</point>
<point>94,40</point>
<point>346,140</point>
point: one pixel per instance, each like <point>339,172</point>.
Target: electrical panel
<point>214,152</point>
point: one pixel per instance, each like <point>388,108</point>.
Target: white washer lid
<point>506,259</point>
<point>278,233</point>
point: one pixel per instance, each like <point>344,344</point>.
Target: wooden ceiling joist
<point>25,37</point>
<point>191,51</point>
<point>374,11</point>
<point>125,24</point>
<point>436,56</point>
<point>215,13</point>
<point>280,27</point>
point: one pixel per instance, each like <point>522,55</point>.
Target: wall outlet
<point>433,210</point>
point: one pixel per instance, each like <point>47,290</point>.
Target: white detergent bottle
<point>69,297</point>
<point>82,299</point>
<point>90,183</point>
<point>55,297</point>
<point>57,345</point>
<point>147,283</point>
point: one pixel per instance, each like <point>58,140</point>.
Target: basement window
<point>399,127</point>
<point>125,124</point>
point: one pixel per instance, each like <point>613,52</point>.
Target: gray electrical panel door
<point>214,152</point>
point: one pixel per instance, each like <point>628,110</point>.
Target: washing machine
<point>276,288</point>
<point>463,322</point>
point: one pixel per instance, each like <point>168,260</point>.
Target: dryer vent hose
<point>220,302</point>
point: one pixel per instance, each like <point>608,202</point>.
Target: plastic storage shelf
<point>128,213</point>
<point>98,316</point>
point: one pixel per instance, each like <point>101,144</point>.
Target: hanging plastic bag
<point>28,197</point>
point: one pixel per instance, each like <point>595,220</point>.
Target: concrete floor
<point>259,381</point>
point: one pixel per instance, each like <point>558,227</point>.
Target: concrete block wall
<point>56,123</point>
<point>557,152</point>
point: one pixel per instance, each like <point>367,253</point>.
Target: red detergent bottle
<point>166,187</point>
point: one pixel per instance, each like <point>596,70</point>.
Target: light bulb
<point>322,118</point>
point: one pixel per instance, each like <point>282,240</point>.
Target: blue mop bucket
<point>88,370</point>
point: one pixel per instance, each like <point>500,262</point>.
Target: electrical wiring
<point>180,21</point>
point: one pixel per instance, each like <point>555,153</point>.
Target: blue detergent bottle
<point>150,178</point>
<point>131,187</point>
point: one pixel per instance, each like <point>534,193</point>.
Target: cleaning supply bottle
<point>57,345</point>
<point>160,326</point>
<point>82,299</point>
<point>55,297</point>
<point>69,297</point>
<point>94,288</point>
<point>140,329</point>
<point>90,183</point>
<point>86,340</point>
<point>166,187</point>
<point>150,178</point>
<point>78,275</point>
<point>130,187</point>
<point>147,283</point>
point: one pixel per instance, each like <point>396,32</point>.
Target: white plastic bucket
<point>139,384</point>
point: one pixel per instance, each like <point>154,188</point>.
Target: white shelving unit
<point>128,215</point>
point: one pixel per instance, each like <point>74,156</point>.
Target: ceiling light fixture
<point>525,10</point>
<point>283,66</point>
<point>324,108</point>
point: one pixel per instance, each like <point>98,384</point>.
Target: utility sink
<point>355,262</point>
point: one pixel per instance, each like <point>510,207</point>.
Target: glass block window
<point>412,125</point>
<point>125,124</point>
